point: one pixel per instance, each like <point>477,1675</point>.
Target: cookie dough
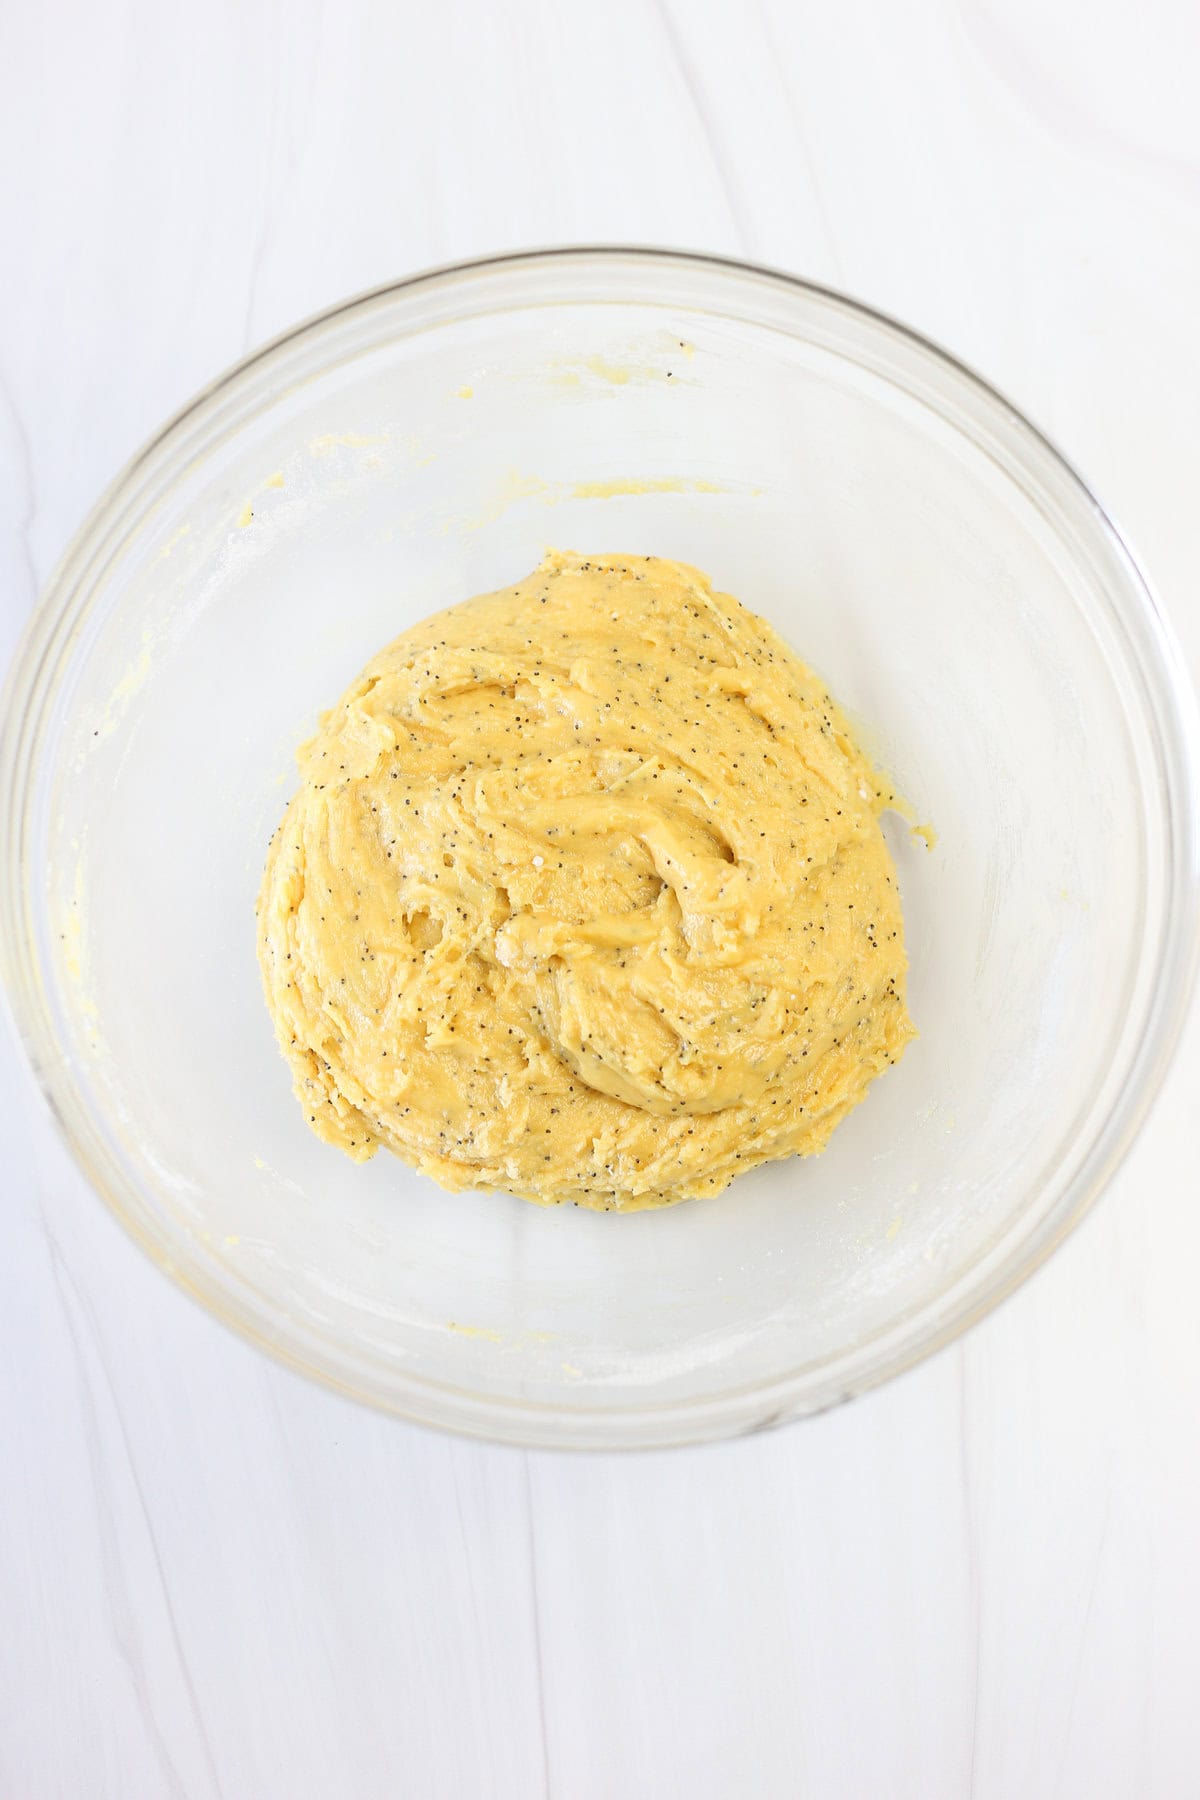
<point>584,896</point>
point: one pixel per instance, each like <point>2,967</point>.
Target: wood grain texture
<point>218,1581</point>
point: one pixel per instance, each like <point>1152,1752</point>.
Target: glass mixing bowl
<point>914,539</point>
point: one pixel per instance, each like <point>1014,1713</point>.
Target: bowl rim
<point>44,650</point>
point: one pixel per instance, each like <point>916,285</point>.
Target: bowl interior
<point>911,540</point>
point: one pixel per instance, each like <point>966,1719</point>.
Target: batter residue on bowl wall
<point>584,896</point>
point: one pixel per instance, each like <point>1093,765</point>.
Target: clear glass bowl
<point>908,532</point>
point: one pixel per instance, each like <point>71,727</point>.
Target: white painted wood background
<point>218,1581</point>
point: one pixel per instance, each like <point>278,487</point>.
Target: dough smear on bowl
<point>584,896</point>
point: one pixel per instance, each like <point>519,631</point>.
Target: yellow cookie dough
<point>584,896</point>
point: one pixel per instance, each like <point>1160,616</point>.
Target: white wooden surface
<point>217,1581</point>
